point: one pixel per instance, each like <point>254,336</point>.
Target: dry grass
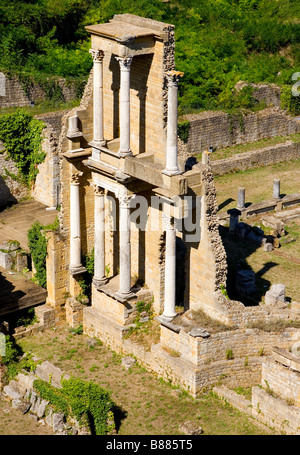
<point>148,405</point>
<point>258,183</point>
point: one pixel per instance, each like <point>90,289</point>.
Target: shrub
<point>86,401</point>
<point>37,244</point>
<point>21,136</point>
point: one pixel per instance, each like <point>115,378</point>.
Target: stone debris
<point>276,294</point>
<point>128,362</point>
<point>199,332</point>
<point>190,428</point>
<point>268,247</point>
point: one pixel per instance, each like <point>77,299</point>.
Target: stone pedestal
<point>241,199</point>
<point>276,189</point>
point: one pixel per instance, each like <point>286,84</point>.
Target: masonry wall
<point>281,380</point>
<point>219,129</point>
<point>14,93</point>
<point>11,190</point>
<point>262,157</point>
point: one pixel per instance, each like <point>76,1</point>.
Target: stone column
<point>99,237</point>
<point>170,269</point>
<point>75,234</point>
<point>241,199</point>
<point>276,189</point>
<point>125,248</point>
<point>98,126</point>
<point>125,63</point>
<point>171,151</point>
<point>234,220</point>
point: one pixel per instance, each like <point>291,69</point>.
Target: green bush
<point>289,101</point>
<point>37,244</point>
<point>86,401</point>
<point>21,136</point>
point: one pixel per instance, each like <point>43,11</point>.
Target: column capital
<point>168,221</point>
<point>173,77</point>
<point>124,63</point>
<point>98,190</point>
<point>124,200</point>
<point>75,178</point>
<point>97,55</point>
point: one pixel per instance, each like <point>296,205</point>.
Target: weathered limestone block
<point>275,294</point>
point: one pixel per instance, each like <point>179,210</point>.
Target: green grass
<point>228,152</point>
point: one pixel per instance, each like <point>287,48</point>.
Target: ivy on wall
<point>21,135</point>
<point>37,243</point>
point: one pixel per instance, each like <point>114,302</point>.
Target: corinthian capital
<point>75,178</point>
<point>97,55</point>
<point>124,63</point>
<point>173,77</point>
<point>98,190</point>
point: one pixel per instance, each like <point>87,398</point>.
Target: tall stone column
<point>170,268</point>
<point>75,234</point>
<point>125,248</point>
<point>125,106</point>
<point>171,151</point>
<point>99,237</point>
<point>98,125</point>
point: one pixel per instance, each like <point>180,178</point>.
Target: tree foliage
<point>21,136</point>
<point>217,43</point>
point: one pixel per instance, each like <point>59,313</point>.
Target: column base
<point>125,295</point>
<point>76,270</point>
<point>98,282</point>
<point>98,144</point>
<point>167,318</point>
<point>171,172</point>
<point>124,153</point>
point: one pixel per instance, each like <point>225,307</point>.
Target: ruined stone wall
<point>219,129</point>
<point>261,157</point>
<point>281,380</point>
<point>11,190</point>
<point>13,93</point>
<point>206,258</point>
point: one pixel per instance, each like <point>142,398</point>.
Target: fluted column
<point>75,231</point>
<point>125,63</point>
<point>99,237</point>
<point>125,248</point>
<point>170,268</point>
<point>98,125</point>
<point>171,151</point>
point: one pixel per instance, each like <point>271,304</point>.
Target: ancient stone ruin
<point>150,219</point>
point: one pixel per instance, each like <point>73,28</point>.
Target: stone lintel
<point>100,167</point>
<point>78,153</point>
<point>286,358</point>
<point>152,173</point>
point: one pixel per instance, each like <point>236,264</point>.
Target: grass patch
<point>135,389</point>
